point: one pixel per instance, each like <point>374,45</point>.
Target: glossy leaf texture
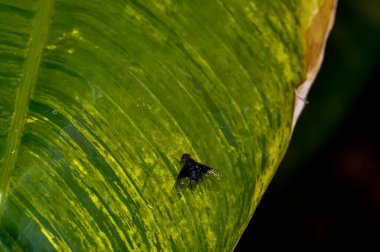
<point>100,99</point>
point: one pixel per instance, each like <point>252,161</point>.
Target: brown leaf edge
<point>316,36</point>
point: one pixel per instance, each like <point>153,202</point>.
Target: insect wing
<point>183,183</point>
<point>203,168</point>
<point>211,179</point>
<point>215,175</point>
<point>192,185</point>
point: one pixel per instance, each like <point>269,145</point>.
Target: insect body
<point>193,173</point>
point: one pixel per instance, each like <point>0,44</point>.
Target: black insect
<point>193,173</point>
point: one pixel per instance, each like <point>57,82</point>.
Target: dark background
<point>327,189</point>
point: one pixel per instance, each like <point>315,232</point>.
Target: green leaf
<point>100,99</point>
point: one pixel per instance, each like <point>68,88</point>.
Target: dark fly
<point>193,173</point>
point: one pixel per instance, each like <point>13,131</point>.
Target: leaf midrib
<point>44,9</point>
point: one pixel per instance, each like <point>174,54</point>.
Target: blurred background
<point>327,189</point>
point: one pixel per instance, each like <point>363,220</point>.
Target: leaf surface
<point>99,100</point>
